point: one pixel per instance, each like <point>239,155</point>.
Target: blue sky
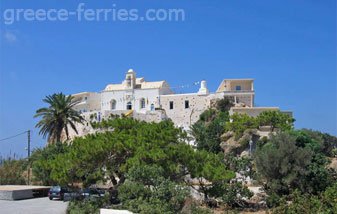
<point>288,47</point>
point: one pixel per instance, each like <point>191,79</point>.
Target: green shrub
<point>231,194</point>
<point>147,191</point>
<point>224,105</point>
<point>12,170</point>
<point>240,123</point>
<point>86,206</point>
<point>306,203</point>
<point>281,165</point>
<point>43,160</point>
<point>199,210</point>
<point>276,120</point>
<point>273,200</point>
<point>208,130</point>
<point>207,115</point>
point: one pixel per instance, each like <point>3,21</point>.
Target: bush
<point>240,123</point>
<point>147,191</point>
<point>306,203</point>
<point>242,165</point>
<point>86,206</point>
<point>224,105</point>
<point>42,162</point>
<point>281,165</point>
<point>273,200</point>
<point>291,164</point>
<point>208,130</point>
<point>275,119</point>
<point>317,141</point>
<point>232,194</point>
<point>12,170</point>
<point>199,210</point>
<point>319,177</point>
<point>208,115</point>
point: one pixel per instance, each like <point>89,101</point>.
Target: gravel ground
<point>33,206</point>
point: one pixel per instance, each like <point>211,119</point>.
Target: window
<point>187,104</point>
<point>113,104</point>
<point>129,106</point>
<point>142,103</point>
<point>56,188</point>
<point>129,81</point>
<point>238,87</point>
<point>171,104</point>
<point>85,98</point>
<point>152,107</point>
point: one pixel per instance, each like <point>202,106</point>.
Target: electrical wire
<point>7,138</point>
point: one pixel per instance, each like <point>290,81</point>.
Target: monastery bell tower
<point>130,79</point>
<point>203,88</point>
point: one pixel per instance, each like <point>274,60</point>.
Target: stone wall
<point>85,128</point>
<point>16,195</point>
<point>198,103</point>
<point>17,192</point>
<point>181,115</point>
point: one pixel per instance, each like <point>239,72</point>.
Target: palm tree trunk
<point>58,135</point>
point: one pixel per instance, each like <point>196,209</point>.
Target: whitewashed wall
<point>134,96</point>
<point>110,211</point>
<point>89,102</point>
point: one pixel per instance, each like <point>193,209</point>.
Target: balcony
<point>238,92</point>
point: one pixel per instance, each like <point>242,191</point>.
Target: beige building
<point>236,85</point>
<point>185,109</point>
<point>88,102</point>
<point>155,101</point>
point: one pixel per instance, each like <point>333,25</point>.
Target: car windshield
<point>91,191</point>
<point>56,188</point>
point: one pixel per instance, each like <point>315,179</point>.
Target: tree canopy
<point>275,119</point>
<point>110,155</point>
<point>148,191</point>
<point>208,129</point>
<point>293,160</point>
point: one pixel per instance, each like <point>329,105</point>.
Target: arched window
<point>129,106</point>
<point>142,103</point>
<point>113,104</point>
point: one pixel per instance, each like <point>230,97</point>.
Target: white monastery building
<point>155,101</point>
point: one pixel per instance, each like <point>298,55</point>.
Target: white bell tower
<point>203,88</point>
<point>130,79</point>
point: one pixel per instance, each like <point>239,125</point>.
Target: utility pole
<point>28,135</point>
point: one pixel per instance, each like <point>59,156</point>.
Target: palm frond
<point>57,116</point>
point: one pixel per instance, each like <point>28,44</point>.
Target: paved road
<point>33,206</point>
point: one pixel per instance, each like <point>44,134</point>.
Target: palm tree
<point>58,116</point>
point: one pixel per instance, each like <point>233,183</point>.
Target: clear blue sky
<point>287,46</point>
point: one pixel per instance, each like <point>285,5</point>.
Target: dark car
<point>101,192</point>
<point>73,193</point>
<point>57,192</point>
<point>93,192</point>
<point>80,194</point>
